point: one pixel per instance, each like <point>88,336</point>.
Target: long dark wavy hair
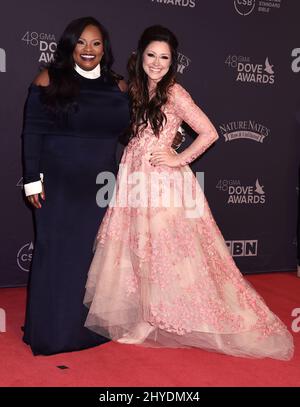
<point>144,109</point>
<point>63,88</point>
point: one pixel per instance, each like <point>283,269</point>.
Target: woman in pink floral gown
<point>162,274</point>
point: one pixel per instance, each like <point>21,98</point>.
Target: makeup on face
<point>157,59</point>
<point>89,48</point>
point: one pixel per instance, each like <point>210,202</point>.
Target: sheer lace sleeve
<point>190,113</point>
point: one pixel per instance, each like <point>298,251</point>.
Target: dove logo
<point>45,43</point>
<point>244,7</point>
<point>2,320</point>
<point>259,188</point>
<point>2,60</point>
<point>296,62</point>
<point>268,67</point>
<point>24,257</point>
<point>182,62</point>
<point>239,248</point>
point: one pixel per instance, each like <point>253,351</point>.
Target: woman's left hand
<point>165,157</point>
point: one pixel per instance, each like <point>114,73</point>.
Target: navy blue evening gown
<point>70,153</point>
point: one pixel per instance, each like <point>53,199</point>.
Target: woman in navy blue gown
<point>75,113</point>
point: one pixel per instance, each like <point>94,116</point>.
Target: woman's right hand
<point>34,200</point>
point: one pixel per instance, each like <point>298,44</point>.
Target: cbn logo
<point>2,60</point>
<point>238,248</point>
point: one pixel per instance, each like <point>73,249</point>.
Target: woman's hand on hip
<point>165,157</point>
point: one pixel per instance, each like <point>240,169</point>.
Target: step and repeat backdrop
<point>240,60</point>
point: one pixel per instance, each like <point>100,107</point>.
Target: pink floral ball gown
<point>169,264</point>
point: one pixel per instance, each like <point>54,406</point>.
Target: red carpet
<point>123,365</point>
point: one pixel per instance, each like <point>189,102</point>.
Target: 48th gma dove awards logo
<point>247,71</point>
<point>45,44</point>
<point>237,194</point>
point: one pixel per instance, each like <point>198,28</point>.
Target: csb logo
<point>296,61</point>
<point>2,60</point>
<point>24,257</point>
<point>45,42</point>
<point>244,7</point>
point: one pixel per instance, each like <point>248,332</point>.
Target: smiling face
<point>157,59</point>
<point>89,48</point>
